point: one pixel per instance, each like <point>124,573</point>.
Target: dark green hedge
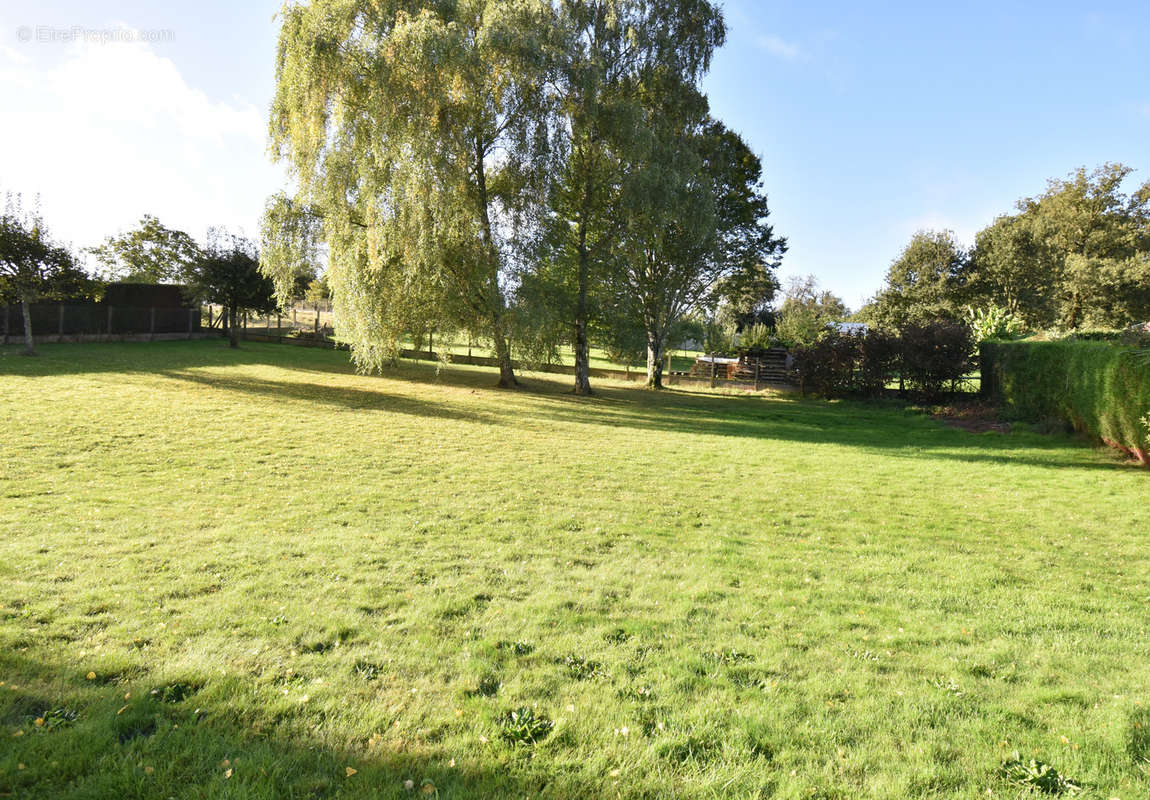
<point>1101,389</point>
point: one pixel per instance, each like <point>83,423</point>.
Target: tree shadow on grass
<point>327,394</point>
<point>112,736</point>
<point>881,428</point>
<point>545,399</point>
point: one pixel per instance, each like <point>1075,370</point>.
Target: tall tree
<point>1011,266</point>
<point>228,273</point>
<point>924,283</point>
<point>700,218</point>
<point>416,134</point>
<point>605,50</point>
<point>1075,255</point>
<point>31,264</point>
<point>149,253</point>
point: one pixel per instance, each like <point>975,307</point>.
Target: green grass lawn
<point>256,574</point>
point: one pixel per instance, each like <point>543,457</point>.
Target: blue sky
<point>873,120</point>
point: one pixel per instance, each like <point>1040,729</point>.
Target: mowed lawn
<point>257,574</point>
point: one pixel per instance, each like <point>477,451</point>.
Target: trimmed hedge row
<point>1101,389</point>
<point>929,360</point>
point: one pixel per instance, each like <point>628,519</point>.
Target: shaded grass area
<point>243,574</point>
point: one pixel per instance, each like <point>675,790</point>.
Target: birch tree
<point>605,50</point>
<point>698,221</point>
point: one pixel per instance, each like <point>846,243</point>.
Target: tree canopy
<point>1077,255</point>
<point>33,266</point>
<point>228,273</point>
<point>504,167</point>
<point>149,253</point>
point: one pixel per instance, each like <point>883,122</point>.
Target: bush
<point>881,356</point>
<point>827,367</point>
<point>933,358</point>
<point>1102,390</point>
<point>993,322</point>
<point>936,356</point>
<point>756,337</point>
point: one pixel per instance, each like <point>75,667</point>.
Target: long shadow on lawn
<point>112,736</point>
<point>544,400</point>
<point>342,396</point>
<point>878,427</point>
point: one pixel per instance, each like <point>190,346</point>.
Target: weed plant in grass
<point>256,574</point>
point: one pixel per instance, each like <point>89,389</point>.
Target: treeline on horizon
<point>1076,256</point>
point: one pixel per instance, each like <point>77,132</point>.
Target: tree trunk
<point>495,301</point>
<point>654,362</point>
<point>503,355</point>
<point>29,343</point>
<point>582,349</point>
<point>233,328</point>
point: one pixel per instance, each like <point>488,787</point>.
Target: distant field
<point>256,574</point>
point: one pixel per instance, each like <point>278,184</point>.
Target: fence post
<point>191,321</point>
<point>714,370</point>
<point>758,366</point>
<point>279,326</point>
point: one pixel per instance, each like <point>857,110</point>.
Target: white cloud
<point>104,133</point>
<point>777,46</point>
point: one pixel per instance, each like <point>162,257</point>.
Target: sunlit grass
<point>337,584</point>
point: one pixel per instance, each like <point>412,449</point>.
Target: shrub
<point>756,337</point>
<point>827,366</point>
<point>993,322</point>
<point>1100,389</point>
<point>881,356</point>
<point>933,358</point>
<point>936,356</point>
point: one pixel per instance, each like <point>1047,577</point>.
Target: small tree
<point>806,312</point>
<point>150,253</point>
<point>316,295</point>
<point>30,263</point>
<point>228,273</point>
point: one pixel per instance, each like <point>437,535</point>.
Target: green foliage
<point>1077,255</point>
<point>757,337</point>
<point>150,253</point>
<point>936,356</point>
<point>1035,774</point>
<point>580,668</point>
<point>931,358</point>
<point>1102,389</point>
<point>228,273</point>
<point>827,366</point>
<point>719,337</point>
<point>523,726</point>
<point>993,322</point>
<point>32,266</point>
<point>924,282</point>
<point>807,312</point>
<point>421,199</point>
